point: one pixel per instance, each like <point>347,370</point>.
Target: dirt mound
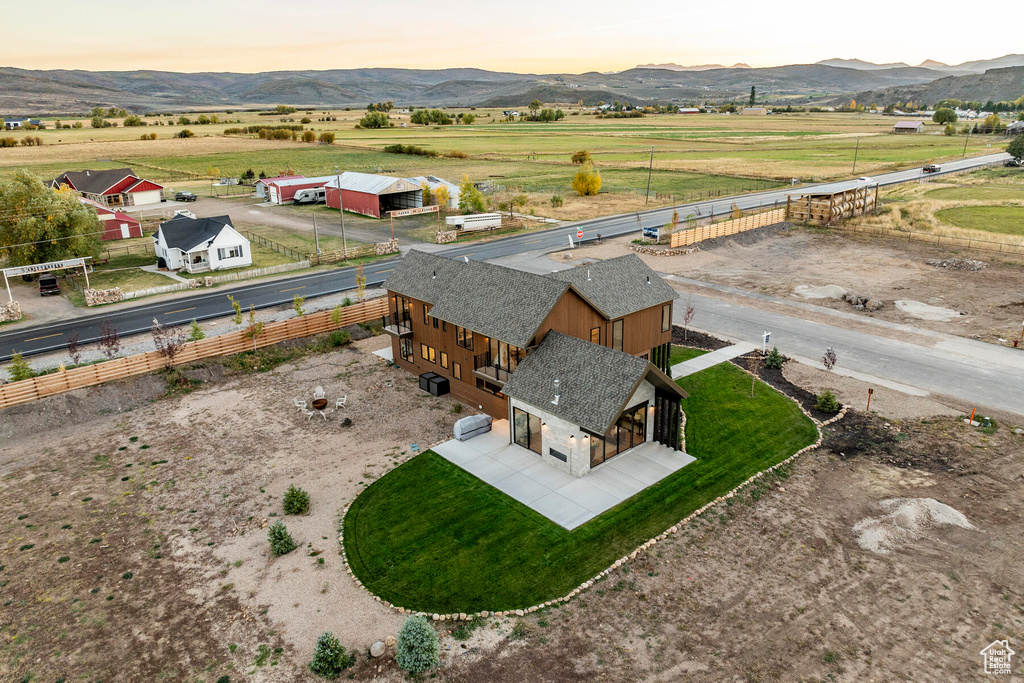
<point>957,264</point>
<point>906,520</point>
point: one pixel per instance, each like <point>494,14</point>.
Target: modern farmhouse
<point>114,187</point>
<point>577,357</point>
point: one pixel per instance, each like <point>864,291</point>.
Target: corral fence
<point>750,221</point>
<point>968,243</point>
<point>28,390</point>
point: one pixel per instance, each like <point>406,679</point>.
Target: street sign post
<point>579,234</point>
<point>764,344</point>
<point>651,233</point>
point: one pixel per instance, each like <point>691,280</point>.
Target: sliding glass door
<point>526,430</point>
<point>629,431</point>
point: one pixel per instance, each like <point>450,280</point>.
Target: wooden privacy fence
<point>725,228</point>
<point>35,388</point>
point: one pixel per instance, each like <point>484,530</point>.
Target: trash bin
<point>438,385</point>
<point>425,380</point>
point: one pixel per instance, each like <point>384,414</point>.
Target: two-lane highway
<point>211,304</point>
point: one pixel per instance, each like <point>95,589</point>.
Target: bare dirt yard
<point>134,545</point>
<point>814,266</point>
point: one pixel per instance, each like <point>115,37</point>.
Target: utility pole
<point>855,151</point>
<point>649,169</point>
<point>316,236</point>
<point>965,142</point>
<point>341,210</point>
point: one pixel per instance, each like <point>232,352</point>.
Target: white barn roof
<point>370,183</point>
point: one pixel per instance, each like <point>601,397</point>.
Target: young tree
<point>329,657</point>
<point>110,341</point>
<point>587,181</point>
<point>360,283</point>
<point>39,224</point>
<point>442,197</point>
<point>253,329</point>
<point>534,107</point>
<point>829,359</point>
<point>19,368</point>
<point>297,305</point>
<point>281,541</point>
<point>689,311</point>
<point>428,194</point>
<point>754,365</point>
<point>237,317</point>
<point>417,648</point>
<point>471,200</point>
<point>168,341</point>
<point>195,331</point>
<point>753,95</point>
<point>74,349</point>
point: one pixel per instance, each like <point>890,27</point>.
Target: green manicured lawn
<point>681,354</point>
<point>430,536</point>
<point>1008,220</point>
<point>970,192</point>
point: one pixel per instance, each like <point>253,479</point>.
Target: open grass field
<point>1008,220</point>
<point>978,193</point>
<point>470,547</point>
<point>692,154</point>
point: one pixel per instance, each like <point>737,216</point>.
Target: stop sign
<point>579,234</point>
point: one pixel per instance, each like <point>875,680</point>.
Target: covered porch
<point>196,261</point>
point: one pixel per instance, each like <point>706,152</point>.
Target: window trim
<point>457,371</point>
<point>464,338</point>
<point>423,351</point>
<point>666,317</point>
<point>444,360</point>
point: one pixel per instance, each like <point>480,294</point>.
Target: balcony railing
<point>400,326</point>
<point>486,367</point>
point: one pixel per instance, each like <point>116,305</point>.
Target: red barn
<point>282,190</point>
<point>373,195</point>
<point>113,187</point>
<point>116,225</point>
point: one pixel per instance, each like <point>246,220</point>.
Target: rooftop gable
<point>93,182</point>
<point>595,382</point>
<point>619,286</point>
<point>186,233</point>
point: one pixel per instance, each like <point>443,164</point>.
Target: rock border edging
<point>583,587</point>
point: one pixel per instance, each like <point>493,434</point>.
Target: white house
<point>201,244</point>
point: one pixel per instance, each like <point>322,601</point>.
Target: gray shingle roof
<point>93,182</point>
<point>619,286</point>
<point>186,233</point>
<point>595,382</point>
<point>499,302</point>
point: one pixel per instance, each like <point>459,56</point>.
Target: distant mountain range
<point>29,92</point>
<point>1006,84</point>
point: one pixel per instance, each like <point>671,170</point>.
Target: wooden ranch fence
<point>725,228</point>
<point>35,388</point>
<point>969,243</point>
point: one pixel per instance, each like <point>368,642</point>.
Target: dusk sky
<point>527,36</point>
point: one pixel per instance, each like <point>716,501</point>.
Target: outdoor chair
<point>311,413</point>
<point>340,402</point>
<point>299,403</point>
<point>319,393</point>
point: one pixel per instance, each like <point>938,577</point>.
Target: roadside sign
<point>579,234</point>
<point>412,212</point>
<point>764,345</point>
<point>652,233</point>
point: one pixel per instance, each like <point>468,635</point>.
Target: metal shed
<point>372,195</point>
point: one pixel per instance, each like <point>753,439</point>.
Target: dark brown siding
<point>572,316</point>
<point>441,340</point>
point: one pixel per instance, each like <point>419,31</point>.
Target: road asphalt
<point>976,372</point>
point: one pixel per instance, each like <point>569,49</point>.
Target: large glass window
<point>666,317</point>
<point>527,430</point>
<point>617,335</point>
<point>405,349</point>
<point>463,338</point>
<point>629,431</point>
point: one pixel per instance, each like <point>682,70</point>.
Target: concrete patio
<point>564,499</point>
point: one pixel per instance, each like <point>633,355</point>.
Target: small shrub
<point>556,201</point>
<point>417,648</point>
<point>339,338</point>
<point>296,501</point>
<point>329,658</point>
<point>827,402</point>
<point>62,559</point>
<point>774,359</point>
<point>224,679</point>
<point>127,575</point>
<point>19,368</point>
<point>281,542</point>
<point>195,331</point>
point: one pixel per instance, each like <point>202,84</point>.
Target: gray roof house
<point>201,244</point>
<point>575,361</point>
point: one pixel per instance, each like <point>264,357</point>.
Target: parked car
<point>1013,163</point>
<point>48,284</point>
<point>931,168</point>
<point>185,196</point>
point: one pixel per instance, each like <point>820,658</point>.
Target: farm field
<point>1008,220</point>
<point>693,155</point>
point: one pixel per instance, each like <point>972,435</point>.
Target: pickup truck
<point>48,285</point>
<point>931,168</point>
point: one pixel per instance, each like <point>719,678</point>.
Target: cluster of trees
<point>200,120</point>
<point>1002,106</point>
<point>112,112</point>
<point>27,141</point>
<point>630,114</point>
<point>540,113</point>
<point>249,130</point>
<point>381,106</point>
<point>1016,147</point>
<point>39,224</point>
<point>284,109</point>
<point>425,117</point>
<point>471,199</point>
<point>375,119</point>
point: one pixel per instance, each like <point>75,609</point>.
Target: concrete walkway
<point>707,360</point>
<point>564,499</point>
<point>166,273</point>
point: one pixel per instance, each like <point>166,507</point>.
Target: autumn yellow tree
<point>587,181</point>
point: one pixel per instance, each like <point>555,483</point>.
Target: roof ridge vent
<point>434,276</point>
<point>648,279</point>
<point>588,274</point>
<point>558,394</point>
